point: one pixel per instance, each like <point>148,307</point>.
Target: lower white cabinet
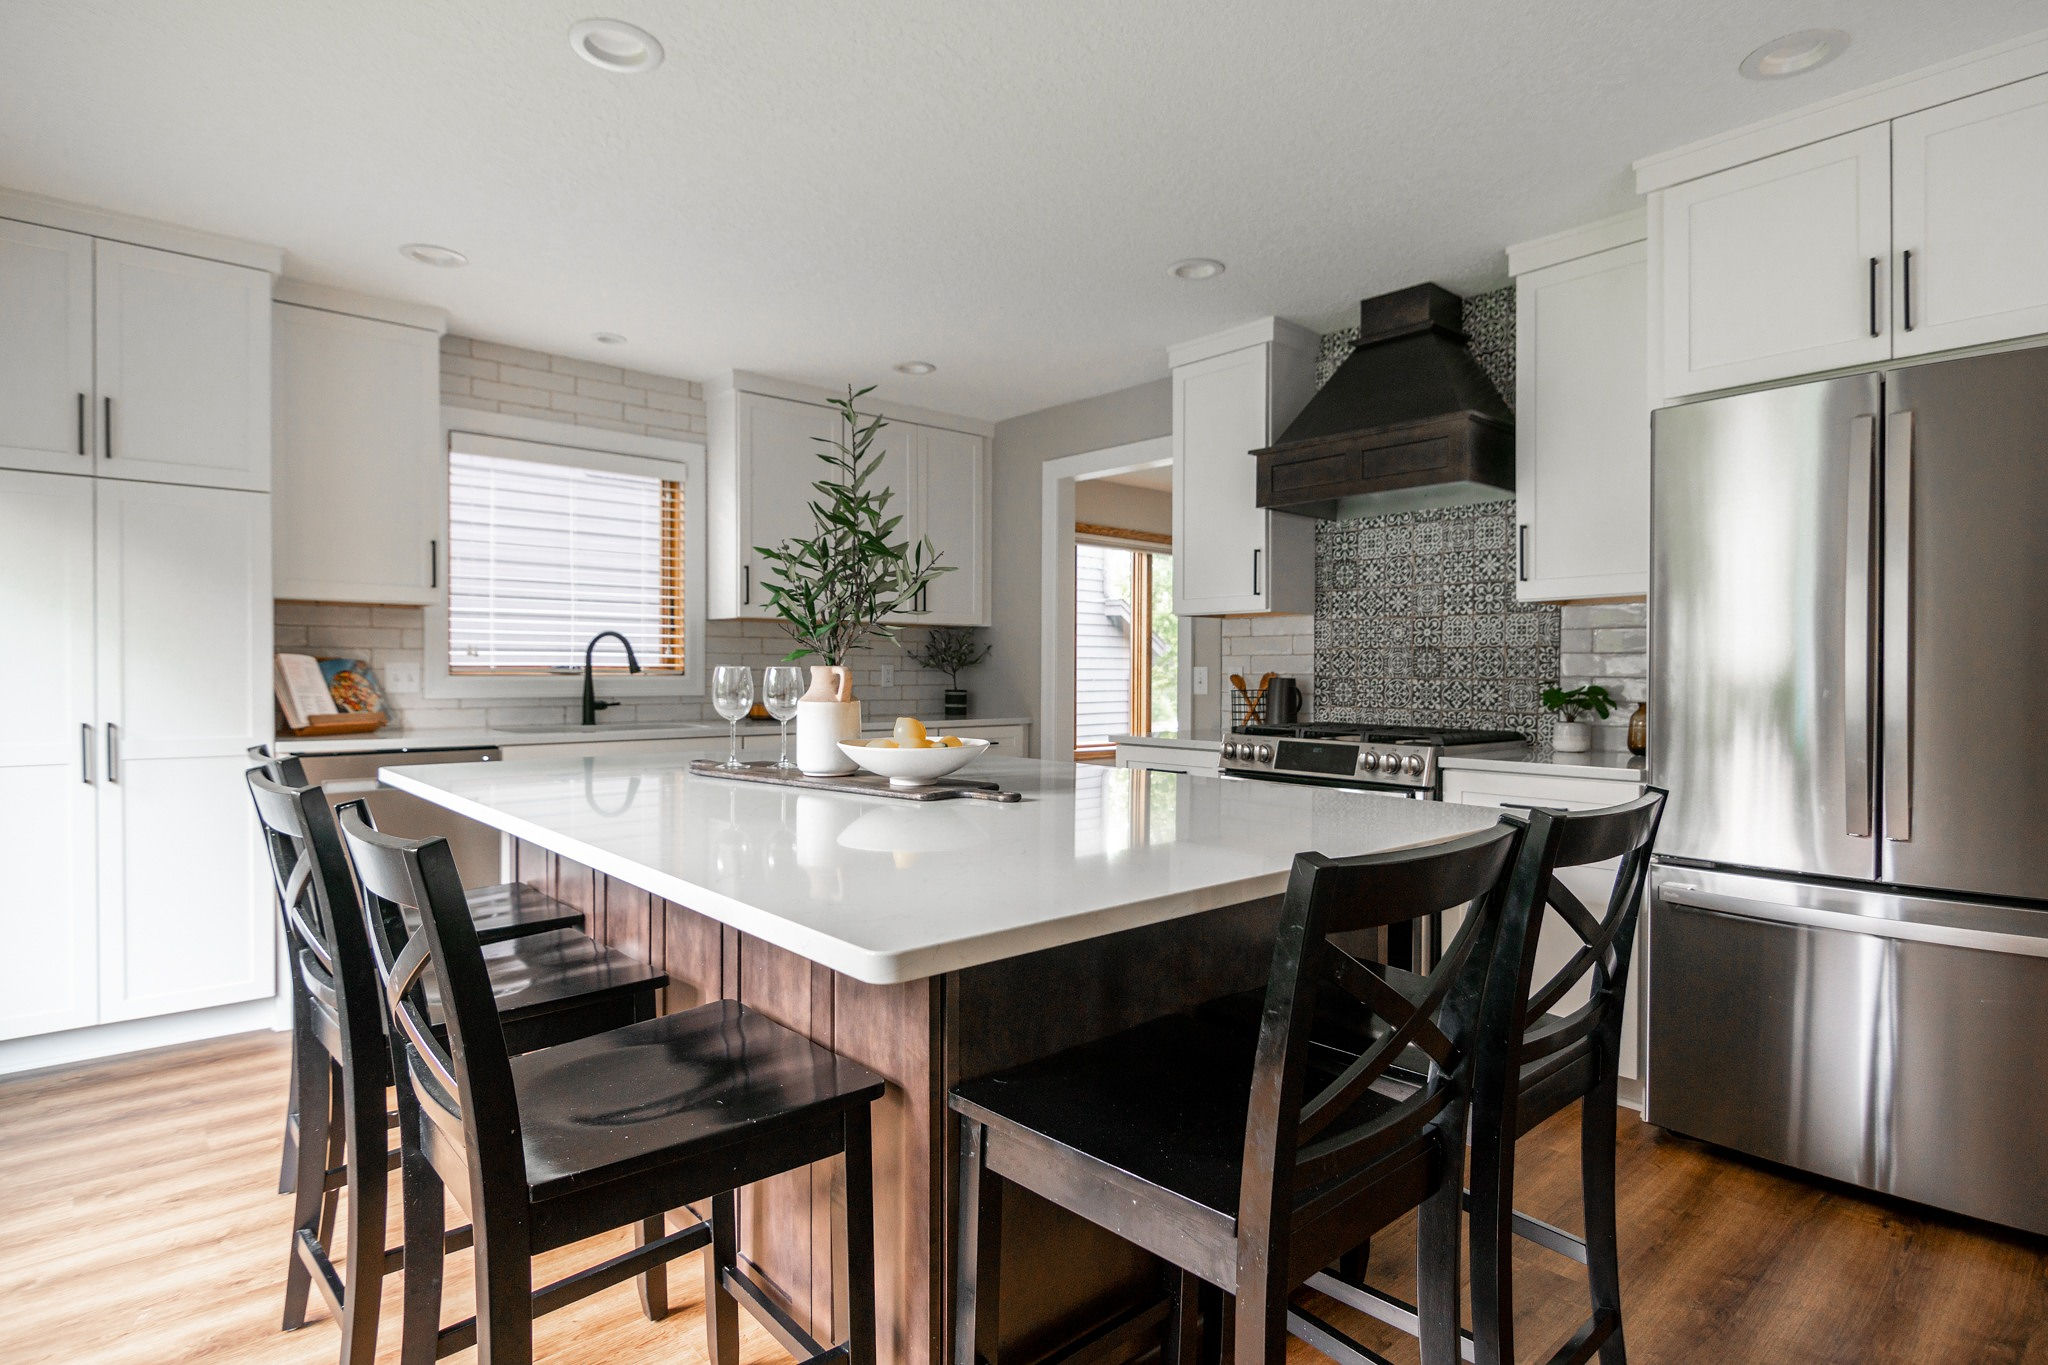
<point>1582,420</point>
<point>1170,758</point>
<point>1556,942</point>
<point>137,667</point>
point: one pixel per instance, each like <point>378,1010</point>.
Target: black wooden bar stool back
<point>608,1131</point>
<point>1240,1162</point>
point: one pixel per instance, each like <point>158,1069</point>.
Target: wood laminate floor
<point>139,1223</point>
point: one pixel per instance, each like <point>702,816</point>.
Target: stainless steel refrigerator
<point>1847,955</point>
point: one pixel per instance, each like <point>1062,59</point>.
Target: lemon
<point>882,744</point>
<point>910,733</point>
<point>951,741</point>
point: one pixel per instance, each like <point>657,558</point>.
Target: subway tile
<point>509,355</point>
<point>589,407</point>
<point>501,392</point>
<point>665,383</point>
<point>538,413</point>
<point>585,369</point>
<point>1620,640</point>
<point>668,400</point>
<point>469,366</point>
<point>531,378</point>
<point>584,419</point>
<point>617,393</point>
<point>454,345</point>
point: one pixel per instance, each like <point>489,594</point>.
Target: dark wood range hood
<point>1408,421</point>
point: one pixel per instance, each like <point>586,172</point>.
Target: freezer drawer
<point>1889,1041</point>
<point>348,777</point>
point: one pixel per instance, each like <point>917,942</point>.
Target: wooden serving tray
<point>342,723</point>
<point>859,784</point>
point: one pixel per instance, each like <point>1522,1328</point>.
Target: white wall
<point>1120,505</point>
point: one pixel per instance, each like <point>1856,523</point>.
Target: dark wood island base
<point>1065,1281</point>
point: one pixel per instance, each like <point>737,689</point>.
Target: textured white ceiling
<point>822,188</point>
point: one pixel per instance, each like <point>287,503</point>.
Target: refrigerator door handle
<point>1898,627</point>
<point>1857,635</point>
<point>1817,917</point>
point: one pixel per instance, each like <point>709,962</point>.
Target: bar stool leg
<point>977,1279</point>
<point>1183,1318</point>
<point>860,1240</point>
<point>1492,1268</point>
<point>1596,1173</point>
<point>721,1309</point>
<point>653,1282</point>
<point>335,1149</point>
<point>425,1223</point>
<point>1438,1261</point>
<point>369,1181</point>
<point>308,1198</point>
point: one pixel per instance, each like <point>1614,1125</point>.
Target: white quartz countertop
<point>1598,763</point>
<point>887,891</point>
<point>397,739</point>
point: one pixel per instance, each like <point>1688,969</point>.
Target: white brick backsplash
<point>536,379</point>
<point>593,407</point>
<point>454,345</point>
<point>618,393</point>
<point>666,384</point>
<point>509,355</point>
<point>464,363</point>
<point>1621,640</point>
<point>586,369</point>
<point>508,393</point>
<point>669,400</point>
<point>453,385</point>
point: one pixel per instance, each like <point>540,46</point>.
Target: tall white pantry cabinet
<point>135,654</point>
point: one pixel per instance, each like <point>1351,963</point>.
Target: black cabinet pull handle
<point>1906,286</point>
<point>81,424</point>
<point>113,752</point>
<point>746,585</point>
<point>1255,572</point>
<point>1873,296</point>
<point>85,752</point>
<point>107,424</point>
<point>433,564</point>
<point>1522,553</point>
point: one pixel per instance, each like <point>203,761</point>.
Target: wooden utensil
<point>1251,708</point>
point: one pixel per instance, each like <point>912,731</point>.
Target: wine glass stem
<point>783,762</point>
<point>732,752</point>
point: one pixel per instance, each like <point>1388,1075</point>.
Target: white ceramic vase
<point>825,716</point>
<point>1571,737</point>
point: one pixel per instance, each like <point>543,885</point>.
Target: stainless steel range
<point>1388,758</point>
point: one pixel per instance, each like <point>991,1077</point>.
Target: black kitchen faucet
<point>591,705</point>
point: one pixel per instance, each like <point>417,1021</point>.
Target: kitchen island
<point>934,943</point>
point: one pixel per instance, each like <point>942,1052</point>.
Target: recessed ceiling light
<point>615,45</point>
<point>608,338</point>
<point>1795,53</point>
<point>1197,268</point>
<point>426,253</point>
<point>916,367</point>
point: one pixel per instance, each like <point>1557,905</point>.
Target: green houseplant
<point>834,590</point>
<point>1571,735</point>
<point>948,650</point>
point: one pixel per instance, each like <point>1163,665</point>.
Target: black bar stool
<point>1534,1063</point>
<point>511,910</point>
<point>550,988</point>
<point>1225,1153</point>
<point>610,1131</point>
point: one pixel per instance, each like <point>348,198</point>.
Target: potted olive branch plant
<point>835,590</point>
<point>1571,735</point>
<point>947,650</point>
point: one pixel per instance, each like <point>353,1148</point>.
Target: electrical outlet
<point>402,677</point>
<point>1202,680</point>
<point>888,675</point>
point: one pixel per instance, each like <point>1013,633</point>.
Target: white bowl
<point>913,767</point>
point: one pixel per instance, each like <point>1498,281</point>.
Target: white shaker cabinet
<point>48,755</point>
<point>356,437</point>
<point>1777,267</point>
<point>952,508</point>
<point>183,689</point>
<point>767,494</point>
<point>1234,393</point>
<point>182,360</point>
<point>1582,418</point>
<point>46,388</point>
<point>1970,220</point>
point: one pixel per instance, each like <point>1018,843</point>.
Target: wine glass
<point>782,686</point>
<point>732,693</point>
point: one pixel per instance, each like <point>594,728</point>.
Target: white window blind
<point>542,556</point>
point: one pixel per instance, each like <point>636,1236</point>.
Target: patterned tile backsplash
<point>1416,620</point>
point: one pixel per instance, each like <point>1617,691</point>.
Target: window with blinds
<point>542,556</point>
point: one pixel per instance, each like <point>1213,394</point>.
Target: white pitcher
<point>825,716</point>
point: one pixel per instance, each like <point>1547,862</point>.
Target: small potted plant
<point>1571,735</point>
<point>836,589</point>
<point>948,650</point>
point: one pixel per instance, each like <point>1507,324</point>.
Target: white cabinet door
<point>1970,220</point>
<point>48,754</point>
<point>183,681</point>
<point>1582,428</point>
<point>1221,413</point>
<point>45,349</point>
<point>1777,268</point>
<point>356,450</point>
<point>778,463</point>
<point>953,505</point>
<point>183,355</point>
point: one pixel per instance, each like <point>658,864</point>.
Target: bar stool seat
<point>511,909</point>
<point>701,1086</point>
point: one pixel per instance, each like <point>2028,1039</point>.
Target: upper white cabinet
<point>46,389</point>
<point>764,449</point>
<point>356,430</point>
<point>1970,220</point>
<point>126,361</point>
<point>1777,267</point>
<point>1582,418</point>
<point>182,350</point>
<point>1234,393</point>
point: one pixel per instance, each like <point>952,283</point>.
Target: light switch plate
<point>402,677</point>
<point>888,675</point>
<point>1201,680</point>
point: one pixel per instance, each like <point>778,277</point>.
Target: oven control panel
<point>1331,760</point>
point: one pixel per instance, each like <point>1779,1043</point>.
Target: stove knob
<point>1265,753</point>
<point>1415,765</point>
<point>1370,762</point>
<point>1230,749</point>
